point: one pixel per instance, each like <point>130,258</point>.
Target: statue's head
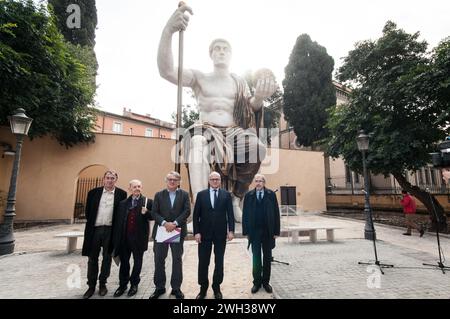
<point>220,51</point>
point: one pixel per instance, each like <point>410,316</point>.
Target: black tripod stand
<point>376,262</point>
<point>440,263</point>
<point>280,262</point>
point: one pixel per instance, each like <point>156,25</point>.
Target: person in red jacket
<point>409,208</point>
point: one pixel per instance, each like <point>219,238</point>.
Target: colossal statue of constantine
<point>224,139</point>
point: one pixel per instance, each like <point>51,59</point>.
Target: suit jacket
<point>213,222</point>
<point>142,225</point>
<point>91,211</point>
<point>163,210</point>
<point>270,210</point>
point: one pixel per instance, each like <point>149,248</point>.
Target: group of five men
<point>119,226</point>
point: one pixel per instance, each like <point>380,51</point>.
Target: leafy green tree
<point>188,116</point>
<point>189,113</point>
<point>78,28</point>
<point>41,73</point>
<point>65,12</point>
<point>435,82</point>
<point>308,90</point>
<point>394,98</point>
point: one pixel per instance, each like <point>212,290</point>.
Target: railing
<point>84,185</point>
<point>433,189</point>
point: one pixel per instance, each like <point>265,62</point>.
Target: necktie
<point>259,196</point>
<point>215,198</point>
<point>134,202</point>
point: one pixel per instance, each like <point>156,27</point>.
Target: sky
<point>262,34</point>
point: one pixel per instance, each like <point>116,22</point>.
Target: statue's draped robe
<point>235,152</point>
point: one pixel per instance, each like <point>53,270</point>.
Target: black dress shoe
<point>268,288</point>
<point>157,293</point>
<point>102,291</point>
<point>422,231</point>
<point>119,292</point>
<point>133,290</point>
<point>255,289</point>
<point>177,293</point>
<point>218,294</point>
<point>201,294</point>
<point>88,294</point>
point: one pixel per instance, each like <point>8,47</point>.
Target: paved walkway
<point>39,268</point>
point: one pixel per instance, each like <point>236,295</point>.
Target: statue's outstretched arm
<point>178,21</point>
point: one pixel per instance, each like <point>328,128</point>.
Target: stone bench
<point>71,240</point>
<point>294,232</point>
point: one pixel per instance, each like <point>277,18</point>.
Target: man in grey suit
<point>171,208</point>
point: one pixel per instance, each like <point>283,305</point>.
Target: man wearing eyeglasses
<point>213,225</point>
<point>261,225</point>
<point>171,208</point>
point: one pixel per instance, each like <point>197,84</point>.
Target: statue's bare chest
<point>217,87</point>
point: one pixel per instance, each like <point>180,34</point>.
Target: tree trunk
<point>433,206</point>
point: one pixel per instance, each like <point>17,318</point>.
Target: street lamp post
<point>20,124</point>
<point>363,145</point>
<point>369,230</point>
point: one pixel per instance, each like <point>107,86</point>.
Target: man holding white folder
<point>171,208</point>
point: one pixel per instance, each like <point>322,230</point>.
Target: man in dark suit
<point>213,224</point>
<point>131,233</point>
<point>101,210</point>
<point>171,208</point>
<point>261,224</point>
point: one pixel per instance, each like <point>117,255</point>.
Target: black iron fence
<point>84,185</point>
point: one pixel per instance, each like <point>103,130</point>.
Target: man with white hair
<point>130,236</point>
<point>213,225</point>
<point>261,225</point>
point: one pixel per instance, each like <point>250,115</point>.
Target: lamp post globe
<point>20,124</point>
<point>362,141</point>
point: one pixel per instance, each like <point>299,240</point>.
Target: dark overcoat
<point>91,211</point>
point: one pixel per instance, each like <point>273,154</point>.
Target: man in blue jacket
<point>261,225</point>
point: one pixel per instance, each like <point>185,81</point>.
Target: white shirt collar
<point>109,192</point>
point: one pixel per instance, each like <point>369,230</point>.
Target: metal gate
<point>288,200</point>
<point>84,185</point>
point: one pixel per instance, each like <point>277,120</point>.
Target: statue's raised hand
<point>265,84</point>
<point>265,88</point>
<point>179,19</point>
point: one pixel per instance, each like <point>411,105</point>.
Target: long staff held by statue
<point>179,95</point>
